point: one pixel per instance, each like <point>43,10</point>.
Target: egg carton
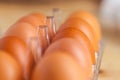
<point>98,55</point>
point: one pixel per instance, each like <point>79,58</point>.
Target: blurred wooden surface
<point>10,12</point>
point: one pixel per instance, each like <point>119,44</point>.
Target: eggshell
<point>19,51</point>
<point>71,47</point>
<point>91,20</point>
<point>22,30</point>
<point>34,21</point>
<point>26,32</point>
<point>79,37</point>
<point>9,68</point>
<point>58,66</point>
<point>40,16</point>
<point>82,26</point>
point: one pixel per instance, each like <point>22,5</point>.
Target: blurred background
<point>107,12</point>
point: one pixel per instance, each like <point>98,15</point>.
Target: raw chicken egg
<point>22,30</point>
<point>58,66</point>
<point>9,68</point>
<point>83,27</point>
<point>40,16</point>
<point>34,21</point>
<point>80,37</point>
<point>73,48</point>
<point>91,20</point>
<point>18,50</point>
<point>26,32</point>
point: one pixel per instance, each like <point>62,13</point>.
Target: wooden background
<point>10,12</point>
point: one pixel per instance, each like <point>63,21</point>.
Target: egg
<point>47,21</point>
<point>91,20</point>
<point>37,23</point>
<point>58,66</point>
<point>80,37</point>
<point>77,51</point>
<point>22,30</point>
<point>9,68</point>
<point>18,50</point>
<point>40,16</point>
<point>26,32</point>
<point>34,21</point>
<point>82,26</point>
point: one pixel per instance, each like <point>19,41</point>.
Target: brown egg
<point>46,20</point>
<point>26,32</point>
<point>58,66</point>
<point>80,37</point>
<point>82,26</point>
<point>37,22</point>
<point>34,21</point>
<point>40,16</point>
<point>22,30</point>
<point>91,20</point>
<point>17,49</point>
<point>73,48</point>
<point>9,68</point>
